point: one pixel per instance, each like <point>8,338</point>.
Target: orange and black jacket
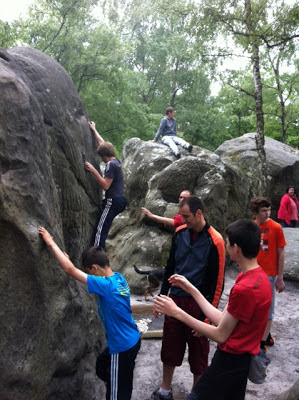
<point>201,261</point>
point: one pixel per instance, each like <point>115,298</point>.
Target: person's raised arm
<point>60,256</point>
<point>105,183</point>
<point>212,313</point>
<point>157,218</point>
<point>97,136</point>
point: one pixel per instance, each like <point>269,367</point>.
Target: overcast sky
<point>11,9</point>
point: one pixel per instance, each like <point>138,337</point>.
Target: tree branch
<point>281,42</point>
<point>242,90</point>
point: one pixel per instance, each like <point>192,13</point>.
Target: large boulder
<point>154,179</point>
<point>282,165</point>
<point>50,332</point>
<point>226,181</point>
<point>291,269</point>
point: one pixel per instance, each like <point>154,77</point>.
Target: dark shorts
<point>177,335</point>
<point>224,379</point>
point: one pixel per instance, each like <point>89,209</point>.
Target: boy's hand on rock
<point>45,235</point>
<point>92,125</point>
<point>88,166</point>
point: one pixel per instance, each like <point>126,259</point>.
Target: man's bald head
<point>184,194</point>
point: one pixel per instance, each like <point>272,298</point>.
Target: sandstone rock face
<point>291,269</point>
<point>49,328</point>
<point>226,181</point>
<point>282,163</point>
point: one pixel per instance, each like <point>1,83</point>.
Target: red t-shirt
<point>249,302</point>
<point>177,219</point>
<point>272,238</point>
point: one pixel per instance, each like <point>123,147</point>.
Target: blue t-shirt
<point>113,170</point>
<point>115,311</point>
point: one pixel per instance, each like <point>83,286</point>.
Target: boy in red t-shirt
<point>238,329</point>
<point>271,255</point>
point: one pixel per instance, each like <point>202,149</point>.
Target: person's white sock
<point>164,392</point>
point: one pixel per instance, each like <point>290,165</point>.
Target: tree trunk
<point>283,122</point>
<point>282,105</point>
<point>260,139</point>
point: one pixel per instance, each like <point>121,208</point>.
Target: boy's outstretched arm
<point>165,305</point>
<point>63,260</point>
<point>212,313</point>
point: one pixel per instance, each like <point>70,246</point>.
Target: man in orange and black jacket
<point>198,253</point>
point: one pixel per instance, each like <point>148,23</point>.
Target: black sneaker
<point>269,340</point>
<point>190,148</point>
<point>263,345</point>
<point>157,396</point>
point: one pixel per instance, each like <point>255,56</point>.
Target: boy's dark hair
<point>169,110</point>
<point>194,204</point>
<point>246,234</point>
<point>259,202</point>
<point>95,255</point>
<point>106,149</point>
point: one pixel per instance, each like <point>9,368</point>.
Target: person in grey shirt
<point>168,131</point>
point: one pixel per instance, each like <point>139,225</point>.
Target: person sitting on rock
<point>112,183</point>
<point>168,131</point>
<point>116,364</point>
<point>175,221</point>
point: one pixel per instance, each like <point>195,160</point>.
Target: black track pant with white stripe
<point>110,209</point>
<point>117,372</point>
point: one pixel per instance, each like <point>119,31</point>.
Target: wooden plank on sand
<point>142,309</point>
<point>156,334</point>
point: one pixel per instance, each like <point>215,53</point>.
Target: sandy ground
<point>282,372</point>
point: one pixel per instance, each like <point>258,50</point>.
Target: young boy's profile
<point>239,328</point>
<point>116,364</point>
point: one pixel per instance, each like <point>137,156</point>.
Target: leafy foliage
<point>135,58</point>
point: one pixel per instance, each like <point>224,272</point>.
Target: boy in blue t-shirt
<point>116,364</point>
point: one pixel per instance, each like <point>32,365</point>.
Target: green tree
<point>91,53</point>
<point>281,87</point>
<point>7,35</point>
<point>237,107</point>
<point>138,59</point>
<point>67,32</point>
<point>163,56</point>
<point>250,25</point>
